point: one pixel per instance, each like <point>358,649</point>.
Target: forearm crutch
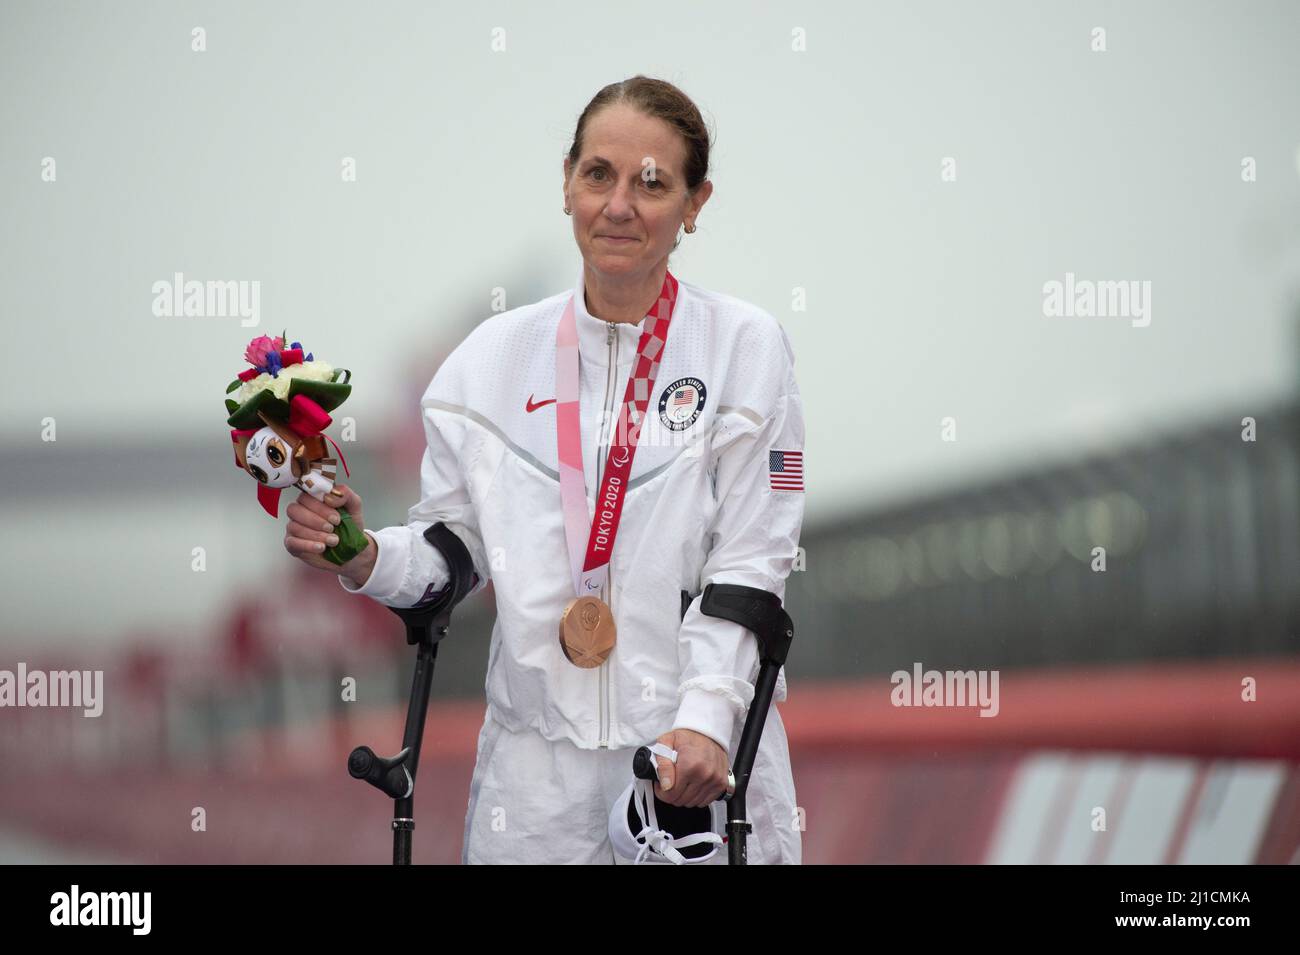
<point>760,612</point>
<point>425,626</point>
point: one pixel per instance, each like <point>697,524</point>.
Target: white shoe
<point>643,827</point>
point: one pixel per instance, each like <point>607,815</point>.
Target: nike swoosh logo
<point>530,407</point>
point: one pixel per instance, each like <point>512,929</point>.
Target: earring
<point>690,229</point>
<point>568,211</point>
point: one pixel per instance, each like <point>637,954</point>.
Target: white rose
<point>279,385</point>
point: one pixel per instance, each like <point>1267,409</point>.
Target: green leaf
<point>231,406</point>
<point>233,385</point>
<point>328,394</point>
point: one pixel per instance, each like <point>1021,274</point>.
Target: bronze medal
<point>587,632</point>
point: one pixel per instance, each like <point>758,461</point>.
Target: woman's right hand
<point>311,529</point>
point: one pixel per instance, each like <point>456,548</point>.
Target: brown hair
<point>662,100</point>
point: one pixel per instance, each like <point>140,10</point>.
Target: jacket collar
<point>594,344</point>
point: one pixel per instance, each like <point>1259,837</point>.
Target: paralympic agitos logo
<point>681,403</point>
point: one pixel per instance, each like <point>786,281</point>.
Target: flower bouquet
<point>277,419</point>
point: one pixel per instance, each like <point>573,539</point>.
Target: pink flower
<point>260,347</point>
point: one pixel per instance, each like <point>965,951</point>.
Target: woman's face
<point>627,192</point>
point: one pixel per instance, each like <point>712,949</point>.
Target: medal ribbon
<point>591,572</point>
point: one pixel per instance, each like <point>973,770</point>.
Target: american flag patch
<point>785,470</point>
<point>683,396</point>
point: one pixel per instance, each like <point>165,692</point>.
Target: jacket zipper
<point>606,592</point>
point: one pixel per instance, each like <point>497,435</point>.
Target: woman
<point>675,407</point>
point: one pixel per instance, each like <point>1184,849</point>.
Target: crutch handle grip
<point>643,767</point>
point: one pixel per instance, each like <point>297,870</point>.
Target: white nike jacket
<point>707,500</point>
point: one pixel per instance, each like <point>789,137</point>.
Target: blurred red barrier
<point>1186,769</point>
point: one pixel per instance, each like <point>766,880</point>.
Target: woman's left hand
<point>700,775</point>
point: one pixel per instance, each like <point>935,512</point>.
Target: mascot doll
<point>277,421</point>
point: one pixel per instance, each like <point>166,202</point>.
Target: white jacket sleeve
<point>755,539</point>
<point>408,570</point>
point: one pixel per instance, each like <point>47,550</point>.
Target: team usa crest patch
<point>681,403</point>
<point>785,470</point>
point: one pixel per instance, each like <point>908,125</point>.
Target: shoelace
<point>661,840</point>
